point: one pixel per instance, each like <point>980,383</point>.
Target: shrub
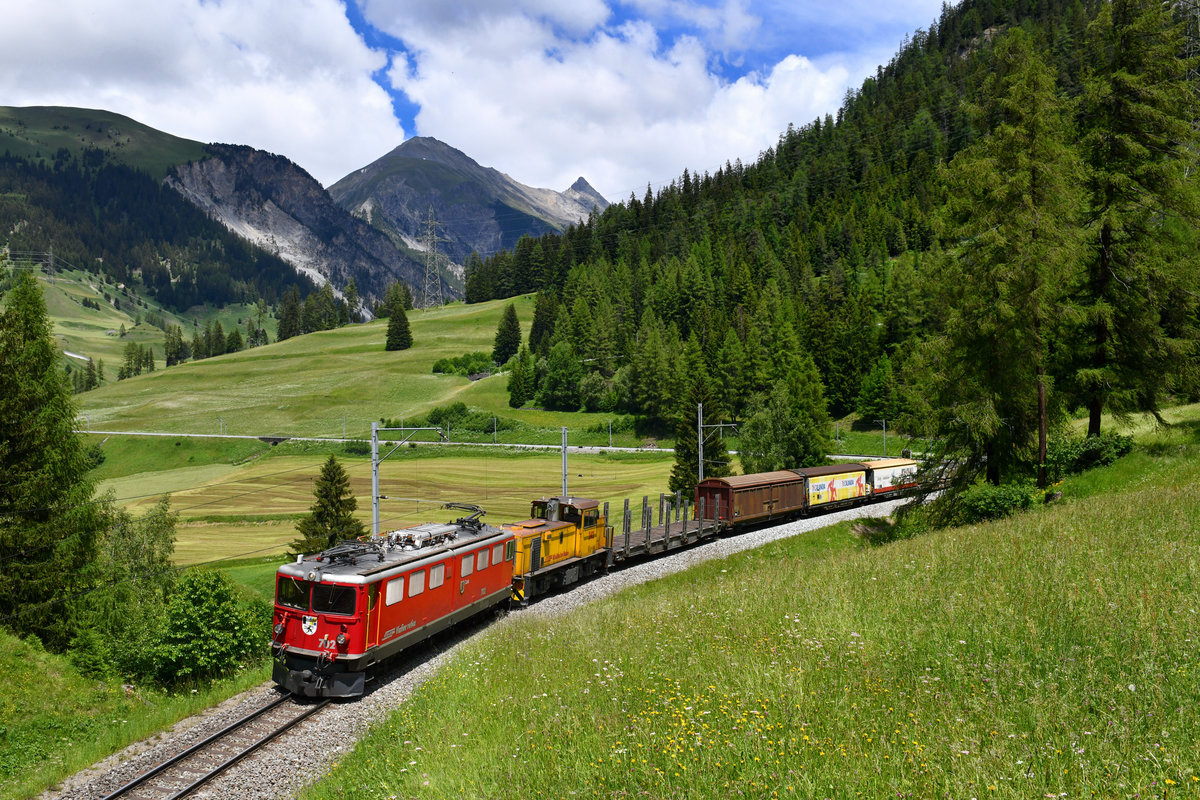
<point>466,364</point>
<point>357,447</point>
<point>211,629</point>
<point>1068,456</point>
<point>984,502</point>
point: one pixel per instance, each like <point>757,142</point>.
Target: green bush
<point>466,364</point>
<point>1068,456</point>
<point>984,502</point>
<point>459,418</point>
<point>357,447</point>
<point>211,629</point>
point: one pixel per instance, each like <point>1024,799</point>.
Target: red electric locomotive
<point>341,611</point>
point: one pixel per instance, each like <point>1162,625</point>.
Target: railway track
<point>186,772</point>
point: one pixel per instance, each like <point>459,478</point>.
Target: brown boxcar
<point>740,499</point>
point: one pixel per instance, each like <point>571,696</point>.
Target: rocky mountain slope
<point>476,208</point>
<point>279,207</point>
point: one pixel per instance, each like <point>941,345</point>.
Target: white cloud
<point>288,76</point>
<point>619,105</point>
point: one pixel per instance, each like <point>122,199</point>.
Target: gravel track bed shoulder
<point>301,757</point>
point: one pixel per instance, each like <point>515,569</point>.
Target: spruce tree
<point>48,524</point>
<point>522,379</point>
<point>508,336</point>
<point>399,335</point>
<point>331,518</point>
<point>290,313</point>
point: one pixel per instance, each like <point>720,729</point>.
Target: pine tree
<point>1139,143</point>
<point>48,526</point>
<point>331,518</point>
<point>508,336</point>
<point>399,335</point>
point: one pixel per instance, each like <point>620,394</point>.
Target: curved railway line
<point>187,771</point>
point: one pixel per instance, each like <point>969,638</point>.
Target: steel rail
<point>209,740</point>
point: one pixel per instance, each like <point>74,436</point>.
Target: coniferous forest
<point>996,232</point>
<point>119,221</point>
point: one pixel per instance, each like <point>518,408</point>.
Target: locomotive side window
<point>292,593</point>
<point>590,518</point>
<point>416,583</point>
<point>437,575</point>
<point>510,550</point>
<point>497,554</point>
<point>468,564</point>
<point>395,591</point>
<point>481,559</point>
<point>329,598</point>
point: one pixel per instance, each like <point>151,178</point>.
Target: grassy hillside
<point>40,131</point>
<point>1053,654</point>
<point>54,722</point>
<point>95,332</point>
<point>305,386</point>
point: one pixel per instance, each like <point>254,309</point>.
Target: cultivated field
<point>235,510</point>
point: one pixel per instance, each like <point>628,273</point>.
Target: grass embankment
<point>1052,654</point>
<point>54,722</point>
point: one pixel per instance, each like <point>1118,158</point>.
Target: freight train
<point>340,612</point>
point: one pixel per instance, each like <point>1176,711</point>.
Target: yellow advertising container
<point>837,487</point>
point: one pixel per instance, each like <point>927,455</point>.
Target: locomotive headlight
<point>341,640</point>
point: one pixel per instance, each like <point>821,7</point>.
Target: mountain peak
<point>583,191</point>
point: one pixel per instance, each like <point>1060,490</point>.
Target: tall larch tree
<point>1012,204</point>
<point>1139,144</point>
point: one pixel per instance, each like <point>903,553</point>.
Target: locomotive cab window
<point>510,551</point>
<point>329,598</point>
<point>590,518</point>
<point>292,593</point>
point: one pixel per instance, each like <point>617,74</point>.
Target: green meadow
<point>95,333</point>
<point>1052,654</point>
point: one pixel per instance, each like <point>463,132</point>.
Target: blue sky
<point>623,92</point>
